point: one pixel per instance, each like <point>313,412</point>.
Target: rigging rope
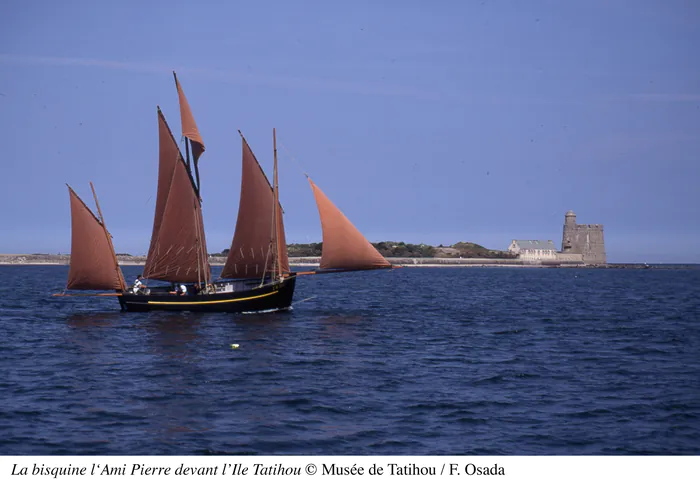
<point>296,162</point>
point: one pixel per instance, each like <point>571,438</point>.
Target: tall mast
<point>187,154</point>
<point>109,240</point>
<point>188,141</point>
<point>196,167</point>
<point>199,247</point>
<point>276,198</point>
<point>188,145</point>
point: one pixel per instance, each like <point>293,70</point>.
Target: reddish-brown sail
<point>253,249</point>
<point>178,245</point>
<point>189,126</point>
<point>92,261</point>
<point>168,155</point>
<point>344,247</point>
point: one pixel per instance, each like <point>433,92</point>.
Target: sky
<point>425,122</point>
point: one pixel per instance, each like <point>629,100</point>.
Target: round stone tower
<point>569,231</point>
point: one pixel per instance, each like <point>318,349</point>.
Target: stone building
<point>586,240</point>
<point>534,250</point>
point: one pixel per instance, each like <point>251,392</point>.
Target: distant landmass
<point>387,249</point>
<point>396,252</point>
<point>414,255</point>
<point>402,249</point>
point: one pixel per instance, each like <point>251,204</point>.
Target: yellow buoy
<point>234,346</point>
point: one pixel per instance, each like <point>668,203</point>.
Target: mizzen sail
<point>92,262</point>
<point>344,247</point>
<point>178,244</point>
<point>254,245</point>
<point>189,126</point>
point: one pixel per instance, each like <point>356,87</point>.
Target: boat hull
<point>269,297</point>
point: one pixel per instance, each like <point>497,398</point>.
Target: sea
<point>413,361</point>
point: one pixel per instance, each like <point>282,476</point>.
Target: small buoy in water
<point>234,346</point>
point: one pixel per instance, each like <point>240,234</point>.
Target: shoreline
<point>313,262</point>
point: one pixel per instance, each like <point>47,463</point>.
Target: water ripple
<point>413,362</point>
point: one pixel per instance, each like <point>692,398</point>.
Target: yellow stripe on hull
<point>205,302</point>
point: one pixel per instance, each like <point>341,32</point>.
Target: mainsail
<point>344,247</point>
<point>93,264</point>
<point>255,243</point>
<point>178,244</point>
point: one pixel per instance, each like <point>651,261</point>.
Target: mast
<point>191,134</point>
<point>178,241</point>
<point>109,240</point>
<point>198,241</point>
<point>178,152</point>
<point>195,178</point>
<point>252,244</point>
<point>276,199</point>
<point>196,167</point>
<point>187,155</point>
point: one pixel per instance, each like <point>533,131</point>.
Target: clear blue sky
<point>423,121</point>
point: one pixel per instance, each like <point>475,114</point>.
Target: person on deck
<point>183,289</point>
<point>138,285</point>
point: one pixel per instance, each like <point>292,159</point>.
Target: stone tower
<point>569,231</point>
<point>583,239</point>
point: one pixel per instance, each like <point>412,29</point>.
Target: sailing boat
<point>256,276</point>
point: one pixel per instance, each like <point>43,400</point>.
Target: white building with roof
<point>534,250</point>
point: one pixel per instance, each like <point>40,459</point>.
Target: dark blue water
<point>415,361</point>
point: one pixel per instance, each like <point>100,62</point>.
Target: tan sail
<point>178,244</point>
<point>189,126</point>
<point>168,154</point>
<point>253,249</point>
<point>92,261</point>
<point>344,247</point>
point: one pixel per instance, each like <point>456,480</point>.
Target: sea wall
<point>564,258</point>
<point>34,259</point>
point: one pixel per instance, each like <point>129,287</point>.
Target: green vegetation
<point>469,249</point>
<point>304,250</point>
<point>402,249</point>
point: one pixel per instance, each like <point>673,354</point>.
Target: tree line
<point>403,249</point>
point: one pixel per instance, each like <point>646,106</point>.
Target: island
<point>465,254</point>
